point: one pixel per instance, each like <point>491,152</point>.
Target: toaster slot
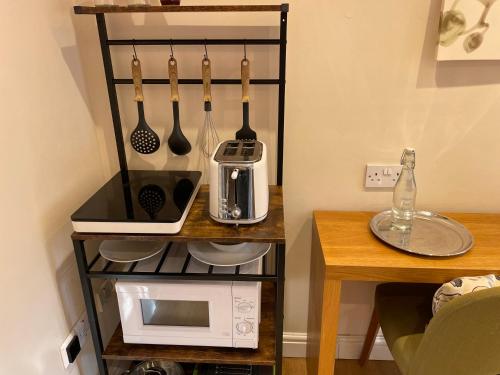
<point>239,152</point>
<point>247,151</point>
<point>230,151</point>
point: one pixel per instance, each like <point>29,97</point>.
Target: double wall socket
<point>381,176</point>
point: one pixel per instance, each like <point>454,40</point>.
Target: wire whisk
<point>209,136</point>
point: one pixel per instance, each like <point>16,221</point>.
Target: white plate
<point>130,251</point>
<point>206,253</point>
<point>225,247</point>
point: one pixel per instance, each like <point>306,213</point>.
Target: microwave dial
<point>244,327</point>
<point>244,307</point>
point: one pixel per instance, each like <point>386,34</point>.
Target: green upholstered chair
<point>463,338</point>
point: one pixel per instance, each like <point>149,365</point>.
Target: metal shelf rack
<point>180,266</point>
<point>198,226</point>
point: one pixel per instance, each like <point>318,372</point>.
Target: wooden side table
<point>343,248</point>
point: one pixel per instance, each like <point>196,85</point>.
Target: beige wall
<point>362,84</point>
<point>50,162</point>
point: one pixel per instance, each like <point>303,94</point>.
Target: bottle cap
<point>408,157</point>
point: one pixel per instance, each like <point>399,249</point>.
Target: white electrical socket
<point>81,329</point>
<point>381,176</point>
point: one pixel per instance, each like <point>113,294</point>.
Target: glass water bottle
<point>405,193</point>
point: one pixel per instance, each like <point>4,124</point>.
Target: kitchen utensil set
<point>143,138</point>
<point>245,132</point>
<point>209,136</point>
<point>145,141</point>
<point>177,141</point>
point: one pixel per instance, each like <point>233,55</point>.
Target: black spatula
<point>245,132</point>
<point>177,142</point>
<point>144,140</point>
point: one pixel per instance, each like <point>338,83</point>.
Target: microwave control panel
<point>245,319</point>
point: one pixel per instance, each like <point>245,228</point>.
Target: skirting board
<point>348,347</point>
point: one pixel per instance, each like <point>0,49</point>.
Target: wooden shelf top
<point>264,355</point>
<point>80,9</point>
<point>352,252</point>
<point>199,225</point>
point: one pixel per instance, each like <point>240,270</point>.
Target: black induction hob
<point>139,202</point>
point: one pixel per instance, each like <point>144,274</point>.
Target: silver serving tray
<point>431,234</point>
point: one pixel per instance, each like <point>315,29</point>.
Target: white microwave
<point>215,313</point>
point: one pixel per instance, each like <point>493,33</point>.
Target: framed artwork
<point>469,30</point>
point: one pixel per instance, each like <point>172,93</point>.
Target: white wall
<point>50,162</point>
<point>362,84</point>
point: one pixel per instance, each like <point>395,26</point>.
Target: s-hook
<point>206,51</point>
<point>135,52</point>
<point>171,49</point>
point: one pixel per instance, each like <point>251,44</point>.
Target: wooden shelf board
<point>263,356</point>
<point>199,226</point>
<point>79,9</point>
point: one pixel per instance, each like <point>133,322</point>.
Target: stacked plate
<point>211,253</point>
<point>130,251</point>
<point>227,255</point>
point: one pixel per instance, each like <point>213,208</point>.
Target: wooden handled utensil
<point>245,132</point>
<point>209,136</point>
<point>177,142</point>
<point>206,73</point>
<point>144,140</point>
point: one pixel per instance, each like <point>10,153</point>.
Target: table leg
<point>324,306</point>
<point>371,335</point>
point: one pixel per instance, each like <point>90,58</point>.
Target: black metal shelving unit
<point>97,268</point>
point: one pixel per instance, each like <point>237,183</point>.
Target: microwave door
<point>177,313</point>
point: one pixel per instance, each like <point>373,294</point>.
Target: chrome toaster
<point>239,191</point>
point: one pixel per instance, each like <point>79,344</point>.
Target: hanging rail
<point>191,42</point>
<point>195,81</point>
